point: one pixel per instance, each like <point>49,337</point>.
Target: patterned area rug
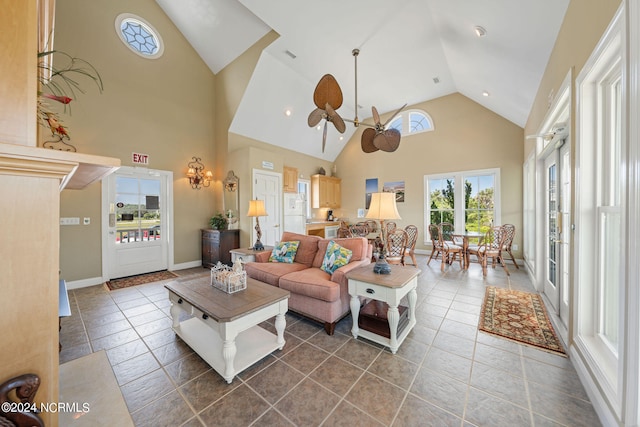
<point>141,279</point>
<point>518,316</point>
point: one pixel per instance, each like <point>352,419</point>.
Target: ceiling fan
<point>375,137</point>
<point>328,98</point>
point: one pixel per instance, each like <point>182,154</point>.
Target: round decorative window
<point>139,36</point>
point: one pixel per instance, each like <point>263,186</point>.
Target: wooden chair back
<point>396,245</point>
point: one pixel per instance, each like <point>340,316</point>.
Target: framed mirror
<point>231,199</point>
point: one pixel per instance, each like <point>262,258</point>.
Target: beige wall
<point>247,154</point>
<point>582,28</point>
<point>164,108</point>
<point>467,136</point>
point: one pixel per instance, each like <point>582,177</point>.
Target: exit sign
<point>140,159</point>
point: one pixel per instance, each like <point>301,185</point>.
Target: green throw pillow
<point>335,257</point>
<point>284,252</point>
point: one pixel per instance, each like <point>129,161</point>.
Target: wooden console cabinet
<point>325,191</point>
<point>216,245</point>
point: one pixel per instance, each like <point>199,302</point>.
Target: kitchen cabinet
<point>216,245</point>
<point>290,178</point>
<point>325,191</point>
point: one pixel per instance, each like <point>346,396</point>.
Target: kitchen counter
<point>317,228</point>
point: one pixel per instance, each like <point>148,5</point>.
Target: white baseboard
<point>92,281</point>
<point>606,415</point>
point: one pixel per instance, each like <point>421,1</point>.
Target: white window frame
<point>594,125</point>
<point>404,115</point>
<point>458,184</point>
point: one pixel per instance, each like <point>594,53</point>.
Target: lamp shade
<point>256,208</point>
<point>383,206</point>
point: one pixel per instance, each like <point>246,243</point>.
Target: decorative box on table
<point>373,318</point>
<point>228,279</point>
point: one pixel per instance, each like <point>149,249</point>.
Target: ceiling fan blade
<point>335,118</point>
<point>388,140</point>
<point>376,116</point>
<point>394,115</point>
<point>315,117</point>
<point>324,136</point>
<point>366,142</point>
<point>327,92</point>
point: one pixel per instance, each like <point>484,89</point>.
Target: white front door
<point>267,186</point>
<point>135,203</point>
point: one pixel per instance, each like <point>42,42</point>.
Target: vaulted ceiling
<point>410,51</point>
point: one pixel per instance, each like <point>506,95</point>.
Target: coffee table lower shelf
<point>251,345</point>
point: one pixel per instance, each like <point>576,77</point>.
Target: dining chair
<point>359,230</point>
<point>373,225</point>
<point>396,245</point>
<point>344,231</point>
<point>447,249</point>
<point>412,233</point>
<point>449,233</point>
<point>491,247</point>
<point>434,232</point>
<point>390,226</point>
<point>509,232</point>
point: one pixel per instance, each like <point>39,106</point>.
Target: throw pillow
<point>284,252</point>
<point>335,257</point>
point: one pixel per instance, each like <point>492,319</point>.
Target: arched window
<point>411,122</point>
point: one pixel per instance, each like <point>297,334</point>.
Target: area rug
<point>518,316</point>
<point>141,279</point>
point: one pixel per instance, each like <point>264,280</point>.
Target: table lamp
<point>383,207</point>
<point>256,209</point>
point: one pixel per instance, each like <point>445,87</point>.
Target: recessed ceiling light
<point>287,112</point>
<point>485,93</point>
<point>319,127</point>
<point>480,32</point>
<point>341,138</point>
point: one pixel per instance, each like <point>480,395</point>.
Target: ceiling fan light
<point>480,31</point>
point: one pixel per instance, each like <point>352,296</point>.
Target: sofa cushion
<point>306,250</point>
<point>313,283</point>
<point>284,251</point>
<point>335,257</point>
<point>270,272</point>
<point>358,246</point>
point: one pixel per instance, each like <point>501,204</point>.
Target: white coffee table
<point>224,328</point>
<point>389,288</point>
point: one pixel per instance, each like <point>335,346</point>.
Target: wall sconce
<point>198,177</point>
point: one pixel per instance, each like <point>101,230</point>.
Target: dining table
<point>465,244</point>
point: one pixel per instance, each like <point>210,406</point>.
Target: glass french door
<point>557,169</point>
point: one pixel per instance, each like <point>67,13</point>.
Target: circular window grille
<point>139,36</point>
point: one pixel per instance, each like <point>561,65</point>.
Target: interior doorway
<point>267,186</point>
<point>136,206</point>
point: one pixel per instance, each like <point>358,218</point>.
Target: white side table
<point>389,288</point>
<point>247,255</point>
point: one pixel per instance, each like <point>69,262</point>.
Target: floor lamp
<point>256,209</point>
<point>383,207</point>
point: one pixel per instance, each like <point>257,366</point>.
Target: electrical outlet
<point>514,247</point>
<point>87,221</point>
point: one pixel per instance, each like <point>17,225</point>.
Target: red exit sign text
<point>140,159</point>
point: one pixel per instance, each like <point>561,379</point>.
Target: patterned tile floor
<point>445,374</point>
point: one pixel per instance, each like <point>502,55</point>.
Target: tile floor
<point>445,374</point>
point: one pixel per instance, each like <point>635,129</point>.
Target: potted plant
<point>218,222</point>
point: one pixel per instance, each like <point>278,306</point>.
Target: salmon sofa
<point>314,293</point>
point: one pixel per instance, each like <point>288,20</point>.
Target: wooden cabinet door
<point>325,191</point>
<point>290,179</point>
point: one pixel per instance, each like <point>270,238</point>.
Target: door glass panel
<point>137,210</point>
<point>552,229</point>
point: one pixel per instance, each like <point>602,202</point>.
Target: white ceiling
<point>404,45</point>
